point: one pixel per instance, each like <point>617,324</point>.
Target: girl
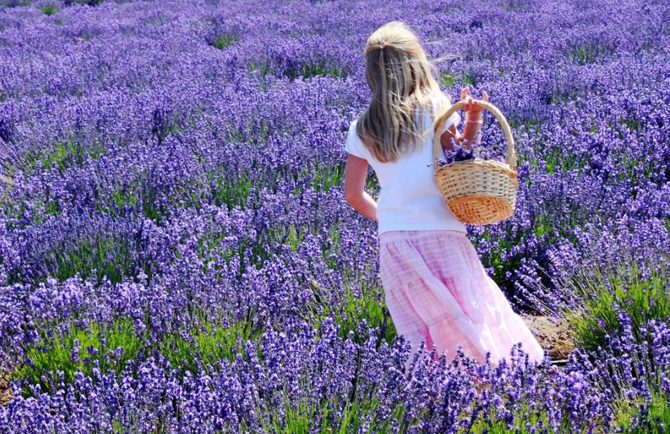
<point>435,286</point>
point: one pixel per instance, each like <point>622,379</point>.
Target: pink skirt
<point>437,291</point>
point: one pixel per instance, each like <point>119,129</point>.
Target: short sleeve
<point>353,144</point>
<point>454,119</point>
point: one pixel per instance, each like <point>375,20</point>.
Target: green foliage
<point>353,308</point>
<point>448,80</point>
<point>624,288</point>
<point>62,156</point>
<point>223,41</point>
<point>641,407</point>
<point>305,70</point>
<point>626,410</point>
<point>327,177</point>
<point>207,342</point>
<point>103,256</point>
<point>232,192</point>
<point>361,406</point>
<point>523,418</point>
<point>588,54</point>
<point>309,70</point>
<point>80,349</point>
<point>50,9</point>
<point>296,419</point>
<point>118,199</point>
<point>263,69</point>
<point>529,125</point>
<point>562,160</point>
<point>110,347</point>
<point>355,409</point>
<point>369,307</point>
<point>256,132</point>
<point>293,238</point>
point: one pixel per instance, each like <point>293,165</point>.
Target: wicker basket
<point>478,192</point>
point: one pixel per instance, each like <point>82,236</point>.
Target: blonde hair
<point>400,77</point>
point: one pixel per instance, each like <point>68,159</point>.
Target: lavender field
<point>177,256</point>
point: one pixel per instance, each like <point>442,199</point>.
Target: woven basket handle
<point>511,154</point>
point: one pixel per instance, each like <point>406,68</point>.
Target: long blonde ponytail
<point>401,79</point>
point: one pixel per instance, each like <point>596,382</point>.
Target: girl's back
<point>409,197</point>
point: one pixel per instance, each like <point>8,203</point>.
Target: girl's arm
<point>355,175</point>
<point>473,112</point>
<point>470,131</point>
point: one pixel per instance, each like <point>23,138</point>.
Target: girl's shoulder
<point>354,145</point>
<point>442,103</point>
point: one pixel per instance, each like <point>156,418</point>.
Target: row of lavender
<point>175,236</point>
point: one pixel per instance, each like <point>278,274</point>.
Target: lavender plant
<point>179,167</point>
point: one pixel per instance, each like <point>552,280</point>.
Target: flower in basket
<point>457,153</point>
<point>462,152</point>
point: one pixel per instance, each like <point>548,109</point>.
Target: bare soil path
<point>6,394</point>
<point>552,333</point>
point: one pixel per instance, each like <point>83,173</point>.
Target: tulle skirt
<point>437,291</point>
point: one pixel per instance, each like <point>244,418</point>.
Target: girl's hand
<point>472,107</point>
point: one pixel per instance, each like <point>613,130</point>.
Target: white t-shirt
<point>409,198</point>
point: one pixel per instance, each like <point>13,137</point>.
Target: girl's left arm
<point>355,175</point>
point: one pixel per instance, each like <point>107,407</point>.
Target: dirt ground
<point>6,394</point>
<point>552,333</point>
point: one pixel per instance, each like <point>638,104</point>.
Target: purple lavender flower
<point>179,167</point>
